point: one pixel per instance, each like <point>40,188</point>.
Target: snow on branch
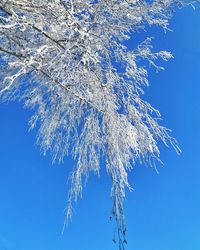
<point>59,58</point>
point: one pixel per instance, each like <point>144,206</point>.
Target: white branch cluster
<point>67,60</point>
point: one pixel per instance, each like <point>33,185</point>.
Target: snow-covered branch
<point>67,60</point>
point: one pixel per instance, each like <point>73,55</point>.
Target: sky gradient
<point>162,213</point>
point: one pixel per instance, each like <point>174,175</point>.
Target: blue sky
<point>162,213</point>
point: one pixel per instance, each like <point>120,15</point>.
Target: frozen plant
<point>67,61</point>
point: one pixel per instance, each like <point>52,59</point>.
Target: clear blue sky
<point>163,211</point>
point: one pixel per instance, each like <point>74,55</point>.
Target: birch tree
<point>67,60</point>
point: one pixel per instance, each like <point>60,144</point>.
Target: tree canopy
<point>67,60</point>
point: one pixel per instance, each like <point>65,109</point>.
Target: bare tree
<point>67,60</point>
